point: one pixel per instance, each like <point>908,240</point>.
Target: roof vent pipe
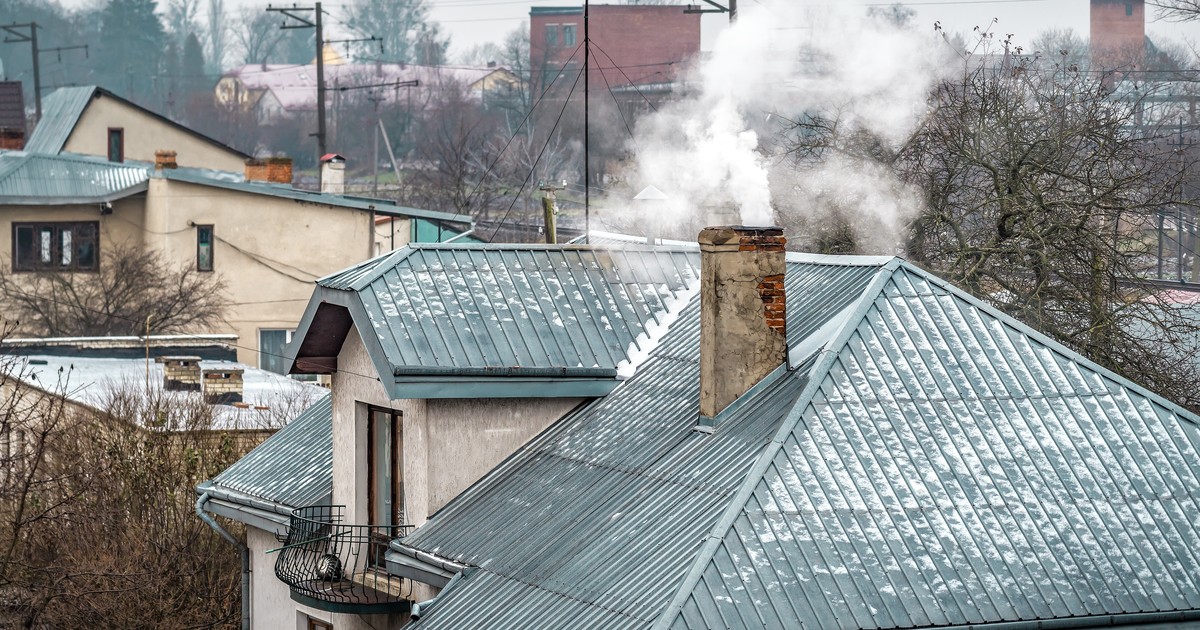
<point>743,330</point>
<point>333,174</point>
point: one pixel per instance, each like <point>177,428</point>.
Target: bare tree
<point>1042,186</point>
<point>134,289</point>
<point>1177,10</point>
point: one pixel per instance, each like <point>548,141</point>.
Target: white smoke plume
<point>783,59</point>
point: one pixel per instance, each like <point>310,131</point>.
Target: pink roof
<point>294,86</point>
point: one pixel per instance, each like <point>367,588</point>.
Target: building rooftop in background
<point>96,372</point>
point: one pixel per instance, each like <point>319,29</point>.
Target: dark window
<point>204,248</point>
<point>270,349</point>
<point>116,144</point>
<point>1128,8</point>
<point>317,624</point>
<point>385,496</point>
<point>551,36</point>
<point>568,35</point>
<point>56,246</point>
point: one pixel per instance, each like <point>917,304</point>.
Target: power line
<point>549,137</point>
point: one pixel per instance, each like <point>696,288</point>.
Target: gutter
<point>1090,621</point>
<point>245,553</point>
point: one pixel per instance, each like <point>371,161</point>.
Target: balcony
<point>339,568</point>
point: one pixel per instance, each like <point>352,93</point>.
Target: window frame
<point>55,252</point>
<point>571,28</point>
<point>120,132</point>
<point>212,247</point>
<point>552,42</point>
<point>383,531</point>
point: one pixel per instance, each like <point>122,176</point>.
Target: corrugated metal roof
<point>32,179</point>
<point>596,522</point>
<point>60,113</point>
<point>292,468</point>
<point>951,469</point>
<point>12,106</point>
<point>939,464</point>
<point>500,309</point>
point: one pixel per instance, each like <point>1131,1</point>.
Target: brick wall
<point>222,387</point>
<point>181,374</point>
<point>1118,33</point>
<point>649,43</point>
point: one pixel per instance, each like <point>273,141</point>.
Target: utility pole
<point>300,15</point>
<point>15,37</point>
<point>587,172</point>
<point>550,210</point>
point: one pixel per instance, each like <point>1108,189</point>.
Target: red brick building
<point>631,44</point>
<point>1118,34</point>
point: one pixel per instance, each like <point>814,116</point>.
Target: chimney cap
<point>335,158</point>
<point>650,193</point>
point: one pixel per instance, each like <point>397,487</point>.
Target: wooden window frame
<point>56,246</point>
<point>108,144</point>
<point>382,532</point>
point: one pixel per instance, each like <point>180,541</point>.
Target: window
<point>551,36</point>
<point>385,494</point>
<point>1128,8</point>
<point>271,343</point>
<point>116,144</point>
<point>568,33</point>
<point>204,248</point>
<point>312,623</point>
<point>56,246</point>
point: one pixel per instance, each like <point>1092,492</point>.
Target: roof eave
<point>77,200</point>
<point>500,387</point>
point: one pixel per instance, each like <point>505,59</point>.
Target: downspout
<point>245,552</point>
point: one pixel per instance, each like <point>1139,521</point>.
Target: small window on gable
<point>116,144</point>
<point>204,248</point>
<point>551,36</point>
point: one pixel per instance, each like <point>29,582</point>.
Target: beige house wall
<point>268,250</point>
<point>145,134</point>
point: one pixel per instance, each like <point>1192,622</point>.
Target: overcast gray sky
<point>471,22</point>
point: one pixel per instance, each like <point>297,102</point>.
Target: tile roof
<point>928,462</point>
<point>494,312</point>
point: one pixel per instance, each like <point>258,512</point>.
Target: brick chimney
<point>333,174</point>
<point>742,311</point>
<point>181,373</point>
<point>275,170</point>
<point>164,159</point>
<point>222,386</point>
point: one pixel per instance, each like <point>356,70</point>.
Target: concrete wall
<point>391,233</point>
<point>145,134</point>
<point>268,250</point>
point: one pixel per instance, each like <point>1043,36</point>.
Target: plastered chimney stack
<point>333,174</point>
<point>743,330</point>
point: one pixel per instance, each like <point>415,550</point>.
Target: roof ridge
<point>826,359</point>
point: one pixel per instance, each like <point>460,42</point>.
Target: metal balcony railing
<point>339,568</point>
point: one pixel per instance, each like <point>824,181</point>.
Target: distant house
<point>267,240</point>
<point>90,120</point>
<point>275,91</point>
<point>629,436</point>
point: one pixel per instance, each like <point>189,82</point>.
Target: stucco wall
<point>145,134</point>
<point>268,250</point>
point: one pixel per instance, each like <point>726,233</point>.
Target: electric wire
<point>631,82</point>
<point>528,175</point>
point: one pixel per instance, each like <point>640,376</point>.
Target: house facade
<point>721,435</point>
<point>90,120</point>
<point>63,212</point>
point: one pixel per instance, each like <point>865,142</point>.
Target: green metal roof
<point>33,179</point>
<point>461,319</point>
<point>290,469</point>
<point>929,462</point>
<point>60,113</point>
